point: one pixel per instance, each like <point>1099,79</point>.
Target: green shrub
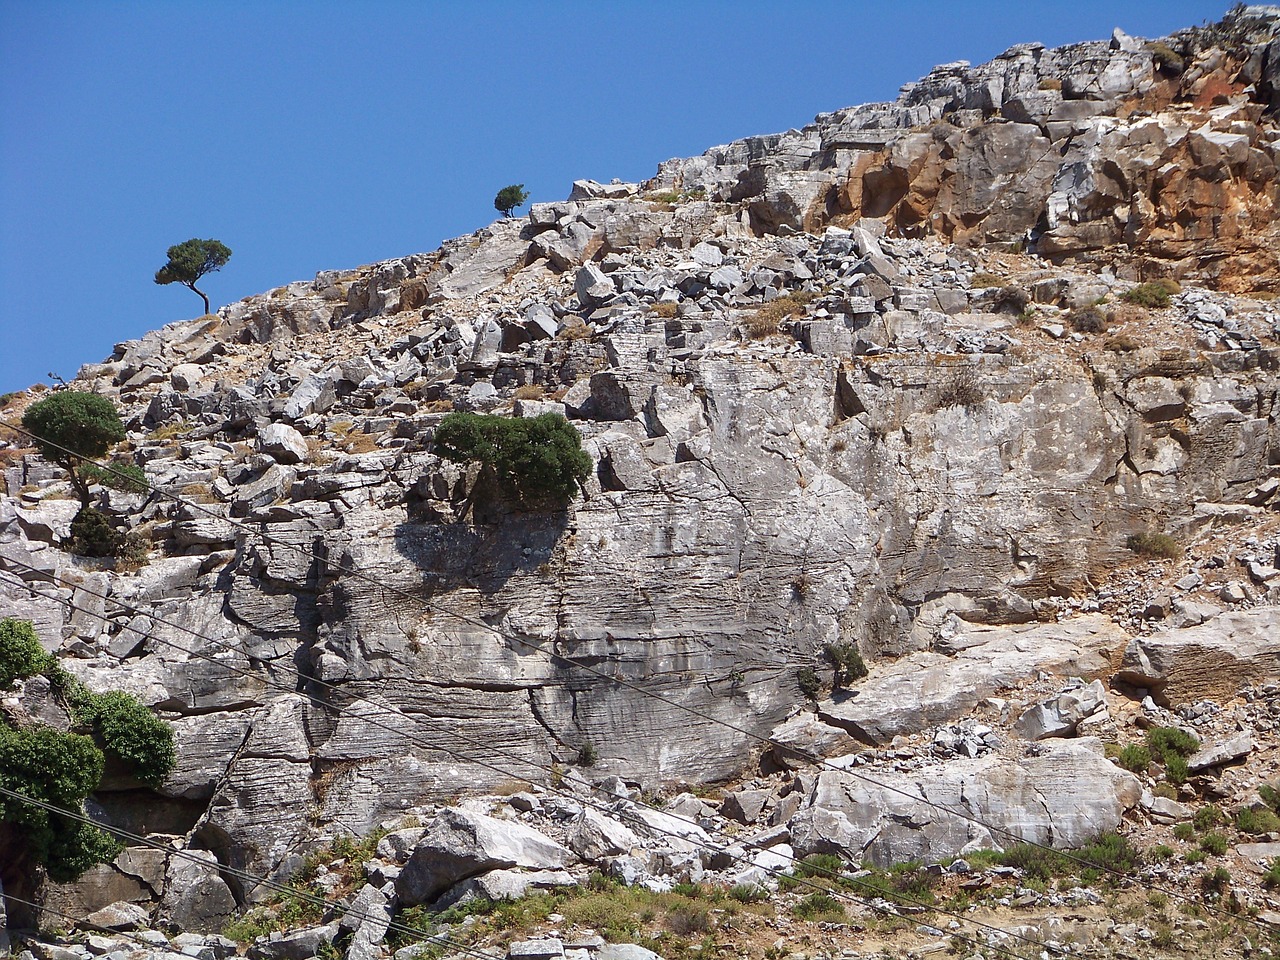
<point>60,769</point>
<point>92,535</point>
<point>748,893</point>
<point>1214,843</point>
<point>819,906</point>
<point>587,755</point>
<point>1184,832</point>
<point>530,458</point>
<point>1153,295</point>
<point>1176,770</point>
<point>1194,856</point>
<point>1161,851</point>
<point>126,728</point>
<point>70,426</point>
<point>1134,757</point>
<point>1270,796</point>
<point>20,652</point>
<point>1110,852</point>
<point>1165,57</point>
<point>807,680</point>
<point>1271,879</point>
<point>1210,815</point>
<point>127,477</point>
<point>1257,820</point>
<point>847,661</point>
<point>1150,544</point>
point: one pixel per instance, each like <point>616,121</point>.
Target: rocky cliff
<point>873,384</point>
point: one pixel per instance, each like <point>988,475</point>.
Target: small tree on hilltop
<point>191,260</point>
<point>71,425</point>
<point>531,458</point>
<point>509,198</point>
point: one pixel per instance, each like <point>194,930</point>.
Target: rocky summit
<point>930,531</point>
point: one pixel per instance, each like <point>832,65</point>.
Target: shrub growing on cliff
<point>20,652</point>
<point>530,458</point>
<point>191,260</point>
<point>1153,295</point>
<point>847,661</point>
<point>70,426</point>
<point>64,768</point>
<point>1149,544</point>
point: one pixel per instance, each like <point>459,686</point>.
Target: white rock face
<point>1062,797</point>
<point>282,443</point>
<point>461,844</point>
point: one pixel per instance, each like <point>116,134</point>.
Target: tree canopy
<point>509,198</point>
<point>531,458</point>
<point>70,425</point>
<point>191,260</point>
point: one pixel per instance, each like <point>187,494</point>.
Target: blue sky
<point>321,135</point>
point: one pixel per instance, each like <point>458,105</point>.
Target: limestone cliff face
<point>803,433</point>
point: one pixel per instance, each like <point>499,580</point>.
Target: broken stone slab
<point>1164,810</point>
<point>745,806</point>
<point>1063,796</point>
<point>1210,661</point>
<point>195,897</point>
<point>927,689</point>
<point>1258,851</point>
<point>1216,754</point>
<point>117,917</point>
<point>505,885</point>
<point>625,951</point>
<point>459,844</point>
<point>546,949</point>
<point>301,944</point>
<point>593,836</point>
<point>1061,716</point>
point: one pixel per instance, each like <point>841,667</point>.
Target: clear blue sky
<point>317,135</point>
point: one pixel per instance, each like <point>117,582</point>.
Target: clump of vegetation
<point>765,321</point>
<point>983,280</point>
<point>1214,843</point>
<point>1271,879</point>
<point>807,680</point>
<point>126,477</point>
<point>1171,747</point>
<point>1110,853</point>
<point>1166,58</point>
<point>819,907</point>
<point>509,198</point>
<point>64,768</point>
<point>587,755</point>
<point>1121,343</point>
<point>530,391</point>
<point>904,883</point>
<point>93,535</point>
<point>530,458</point>
<point>1134,757</point>
<point>1257,820</point>
<point>666,309</point>
<point>192,259</point>
<point>1151,544</point>
<point>962,389</point>
<point>71,426</point>
<point>1154,295</point>
<point>847,660</point>
<point>1087,320</point>
<point>1049,83</point>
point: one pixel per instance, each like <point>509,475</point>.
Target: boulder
<point>1216,754</point>
<point>1062,796</point>
<point>195,897</point>
<point>593,836</point>
<point>459,844</point>
<point>117,916</point>
<point>282,443</point>
<point>1061,716</point>
<point>1209,661</point>
<point>304,944</point>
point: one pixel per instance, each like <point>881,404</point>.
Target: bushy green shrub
<point>92,535</point>
<point>1257,821</point>
<point>531,458</point>
<point>20,652</point>
<point>847,660</point>
<point>807,680</point>
<point>1153,295</point>
<point>70,426</point>
<point>1134,757</point>
<point>1171,747</point>
<point>1271,879</point>
<point>1210,815</point>
<point>128,477</point>
<point>60,769</point>
<point>819,906</point>
<point>1087,320</point>
<point>1214,843</point>
<point>126,728</point>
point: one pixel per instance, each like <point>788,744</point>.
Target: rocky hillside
<point>936,440</point>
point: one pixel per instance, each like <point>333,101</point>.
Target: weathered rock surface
<point>1062,797</point>
<point>460,844</point>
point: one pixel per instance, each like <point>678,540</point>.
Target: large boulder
<point>1063,797</point>
<point>1209,661</point>
<point>460,844</point>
